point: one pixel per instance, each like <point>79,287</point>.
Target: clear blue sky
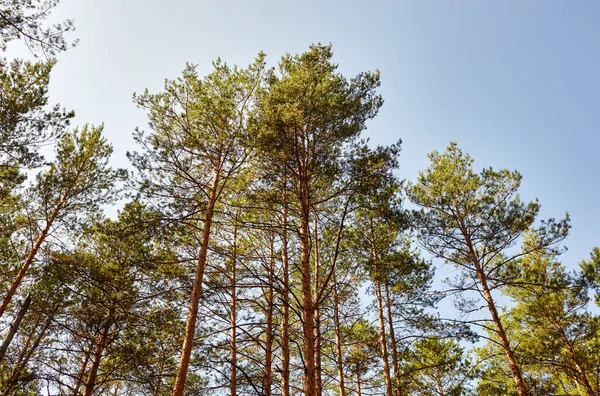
<point>516,83</point>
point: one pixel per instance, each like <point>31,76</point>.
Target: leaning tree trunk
<point>578,366</point>
<point>190,326</point>
<point>82,370</point>
<point>33,252</point>
<point>487,295</point>
<point>15,326</point>
<point>27,353</point>
<point>100,347</point>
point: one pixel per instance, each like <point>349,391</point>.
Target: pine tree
<point>471,220</point>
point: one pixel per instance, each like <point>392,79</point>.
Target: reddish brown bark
<point>308,309</point>
<point>190,327</point>
<point>33,252</point>
<point>82,371</point>
<point>268,379</point>
<point>100,347</point>
<point>388,303</point>
<point>285,313</point>
<point>576,361</point>
<point>487,295</point>
<point>338,337</point>
<point>383,340</point>
<point>380,316</point>
<point>23,270</point>
<point>233,316</point>
<point>318,378</point>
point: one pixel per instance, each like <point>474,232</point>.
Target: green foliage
<point>363,341</point>
<point>80,179</point>
<point>275,155</point>
<point>591,272</point>
<point>550,321</point>
<point>199,126</point>
<point>24,19</point>
<point>438,367</point>
<point>482,210</point>
<point>309,114</point>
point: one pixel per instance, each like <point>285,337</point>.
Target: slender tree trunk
<point>318,377</point>
<point>338,336</point>
<point>388,303</point>
<point>268,380</point>
<point>102,342</point>
<point>508,352</point>
<point>28,352</point>
<point>487,295</point>
<point>358,393</point>
<point>23,270</point>
<point>383,340</point>
<point>233,315</point>
<point>15,326</point>
<point>308,309</point>
<point>33,252</point>
<point>190,327</point>
<point>578,367</point>
<point>82,371</point>
<point>158,384</point>
<point>380,315</point>
<point>285,319</point>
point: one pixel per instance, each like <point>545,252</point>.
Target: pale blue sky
<point>516,83</point>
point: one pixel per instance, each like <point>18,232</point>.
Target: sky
<point>515,83</point>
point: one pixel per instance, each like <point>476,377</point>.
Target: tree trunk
<point>268,380</point>
<point>388,303</point>
<point>190,326</point>
<point>578,367</point>
<point>508,352</point>
<point>358,382</point>
<point>102,342</point>
<point>318,378</point>
<point>27,353</point>
<point>23,270</point>
<point>382,336</point>
<point>487,295</point>
<point>383,340</point>
<point>512,362</point>
<point>15,326</point>
<point>308,310</point>
<point>233,315</point>
<point>338,337</point>
<point>33,252</point>
<point>82,371</point>
<point>285,320</point>
<point>158,384</point>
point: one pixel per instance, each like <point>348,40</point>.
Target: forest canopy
<point>263,246</point>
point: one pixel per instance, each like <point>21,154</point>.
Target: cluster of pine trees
<point>264,248</point>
